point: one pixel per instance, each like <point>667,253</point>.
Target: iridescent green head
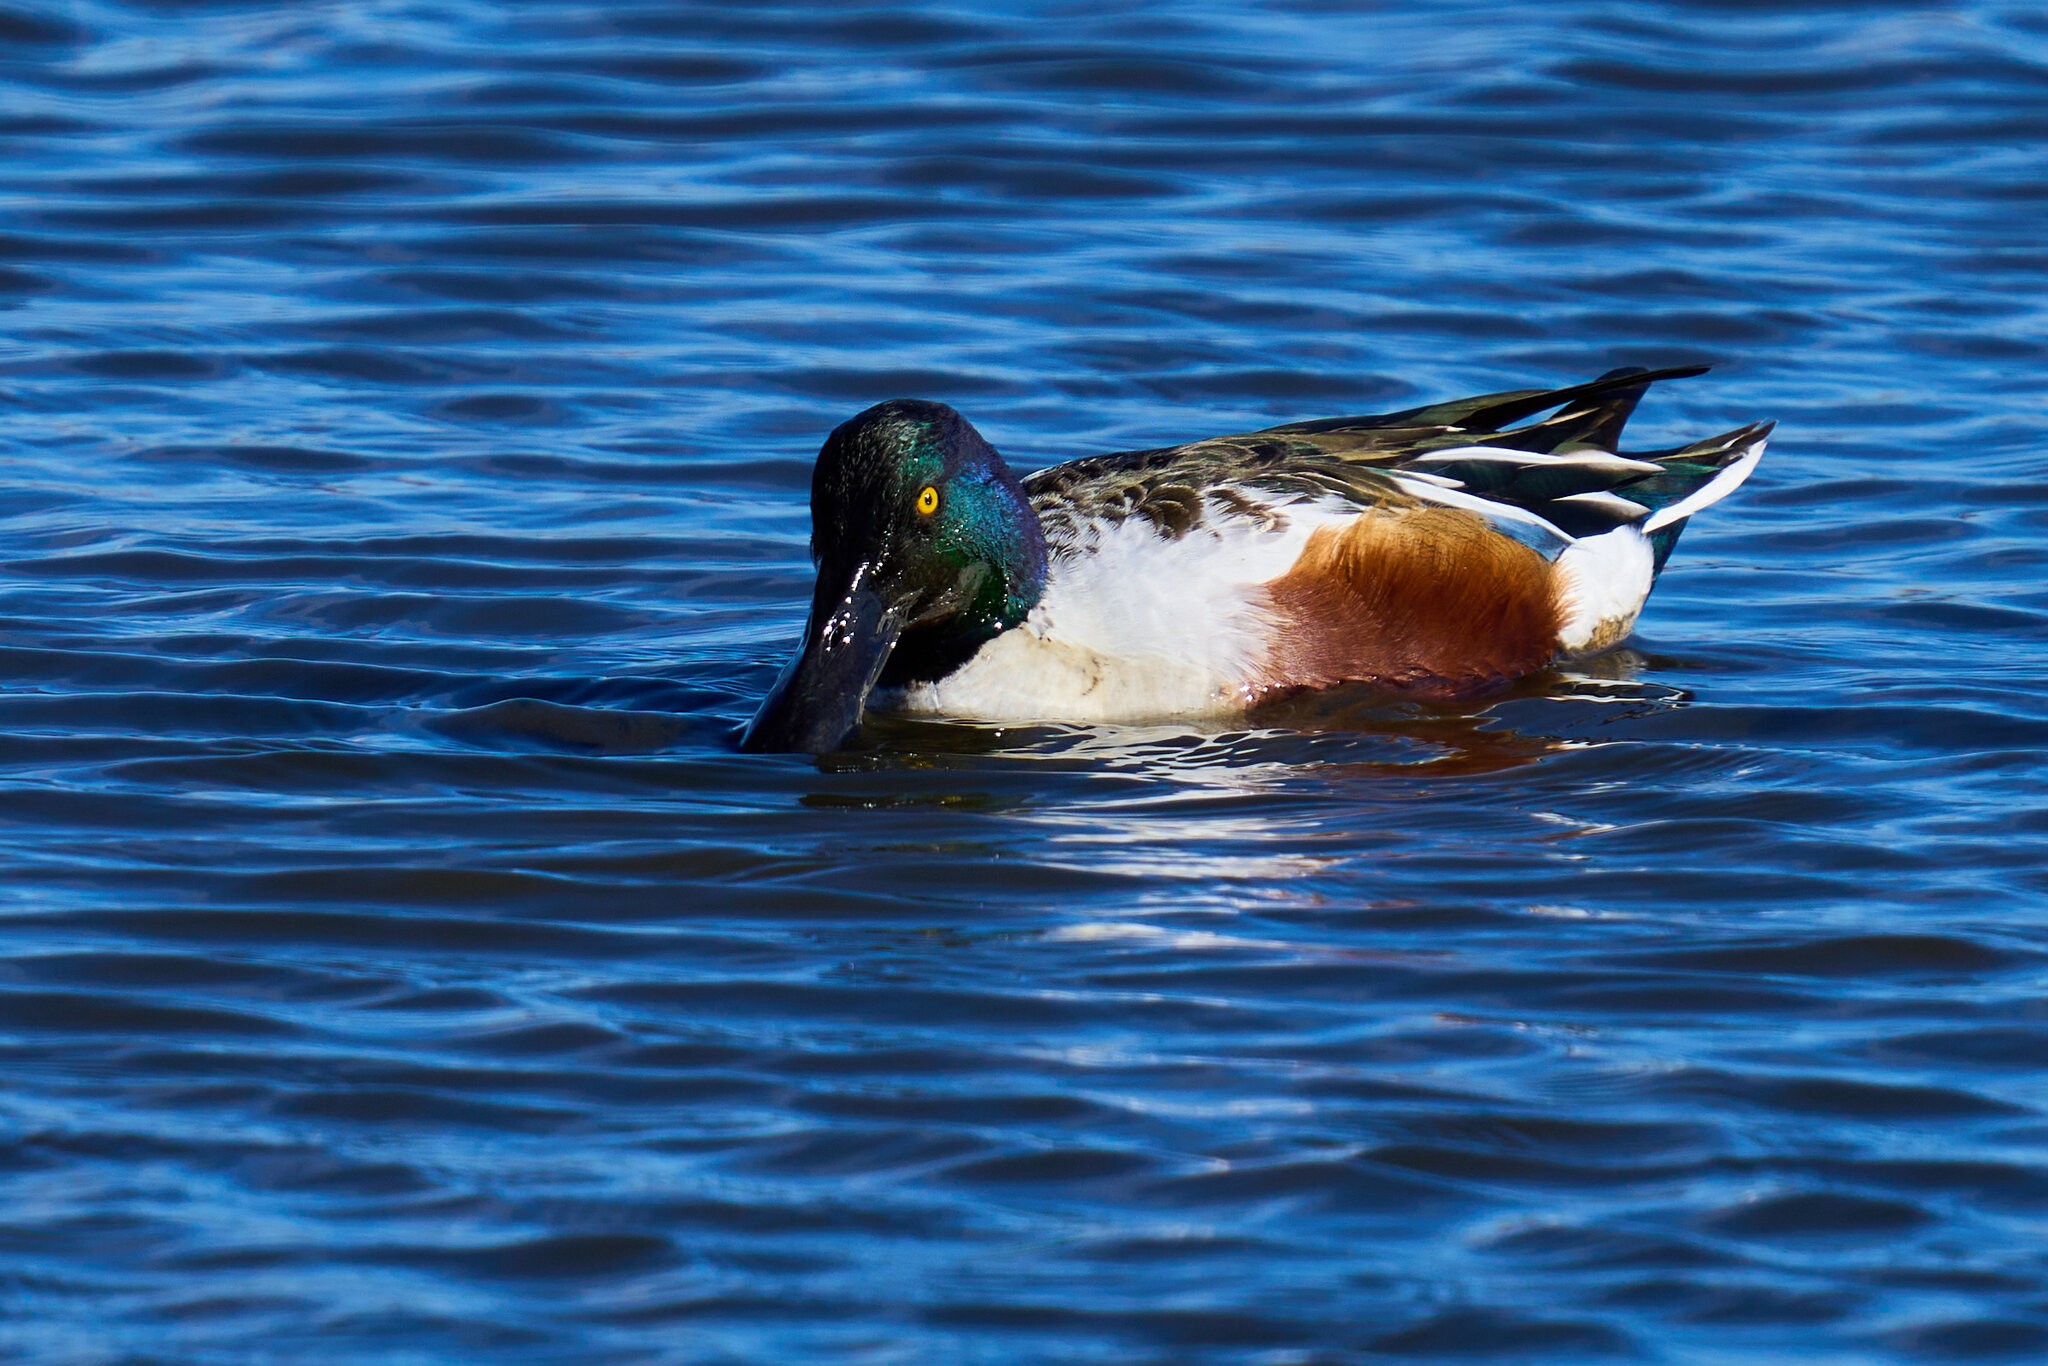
<point>926,547</point>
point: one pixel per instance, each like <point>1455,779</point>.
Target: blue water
<point>409,410</point>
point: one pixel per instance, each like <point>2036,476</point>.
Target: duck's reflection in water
<point>1208,815</point>
<point>1315,736</point>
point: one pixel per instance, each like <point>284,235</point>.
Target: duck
<point>1438,552</point>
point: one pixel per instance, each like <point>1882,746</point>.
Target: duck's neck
<point>928,652</point>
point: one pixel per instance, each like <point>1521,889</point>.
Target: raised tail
<point>1695,477</point>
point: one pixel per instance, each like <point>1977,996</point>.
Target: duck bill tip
<point>817,702</point>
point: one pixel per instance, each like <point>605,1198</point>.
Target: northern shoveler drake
<point>1438,551</point>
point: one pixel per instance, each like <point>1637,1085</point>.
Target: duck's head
<point>926,547</point>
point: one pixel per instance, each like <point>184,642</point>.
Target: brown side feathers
<point>1422,599</point>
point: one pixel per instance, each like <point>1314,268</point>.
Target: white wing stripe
<point>1520,523</point>
<point>1604,461</point>
<point>1607,502</point>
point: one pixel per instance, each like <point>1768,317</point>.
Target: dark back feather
<point>1256,474</point>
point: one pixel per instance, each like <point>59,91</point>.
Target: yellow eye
<point>928,500</point>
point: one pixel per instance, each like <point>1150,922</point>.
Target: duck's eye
<point>928,500</point>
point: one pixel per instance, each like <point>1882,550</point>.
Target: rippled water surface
<point>409,414</point>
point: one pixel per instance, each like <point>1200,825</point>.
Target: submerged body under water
<point>410,416</point>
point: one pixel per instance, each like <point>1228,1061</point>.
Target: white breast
<point>1137,626</point>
